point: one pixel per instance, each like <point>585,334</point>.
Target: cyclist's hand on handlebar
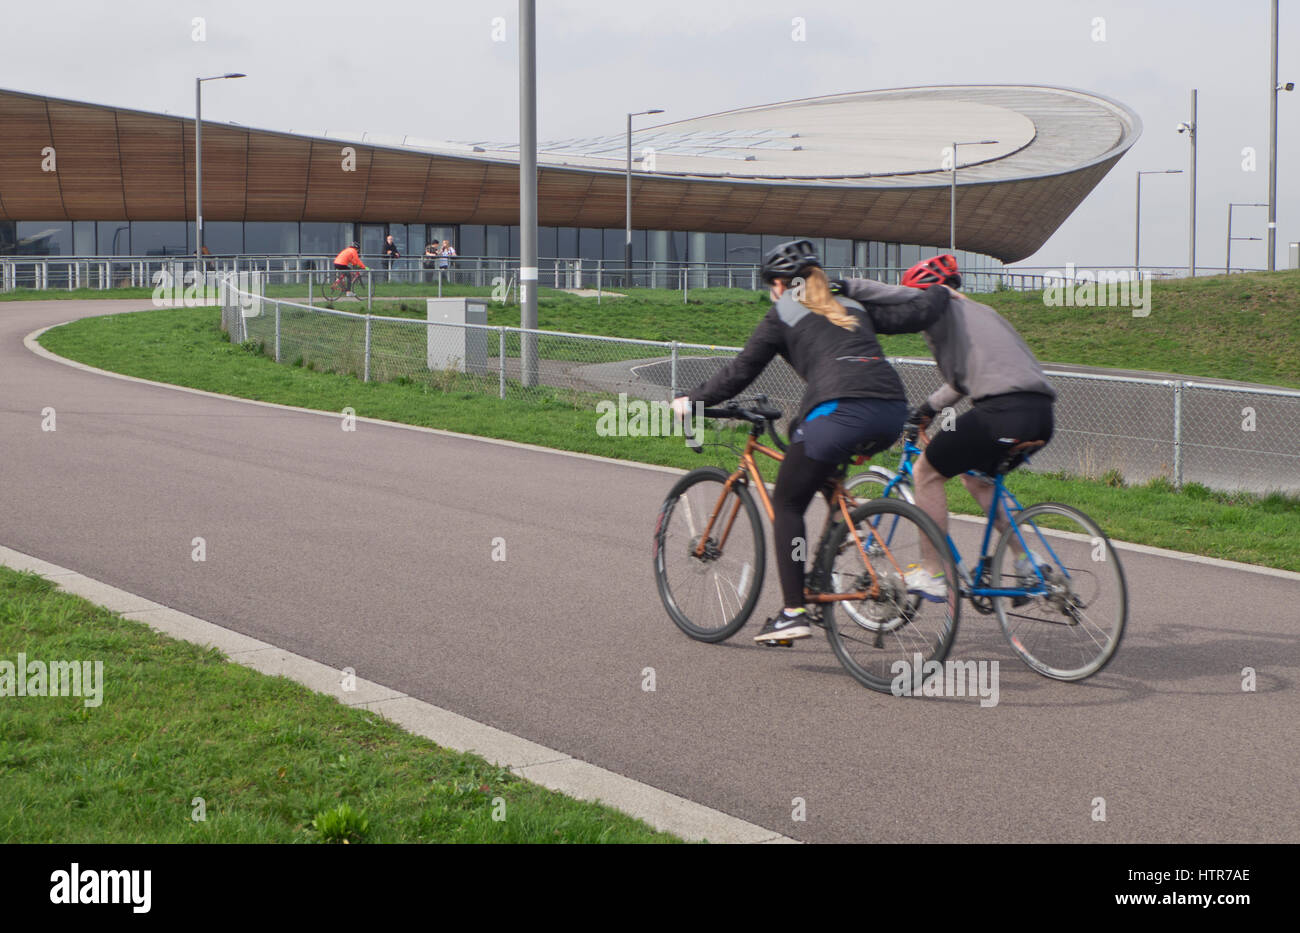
<point>920,417</point>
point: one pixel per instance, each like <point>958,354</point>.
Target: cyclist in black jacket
<point>853,403</point>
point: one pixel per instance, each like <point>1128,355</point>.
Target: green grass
<point>60,294</point>
<point>272,760</point>
<point>187,348</point>
<point>1244,326</point>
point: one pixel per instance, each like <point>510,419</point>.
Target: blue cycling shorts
<point>835,431</point>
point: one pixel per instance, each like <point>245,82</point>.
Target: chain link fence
<point>1223,437</point>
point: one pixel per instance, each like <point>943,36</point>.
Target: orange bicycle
<point>710,560</point>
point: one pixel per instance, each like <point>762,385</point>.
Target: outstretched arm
<point>915,312</point>
<point>762,345</point>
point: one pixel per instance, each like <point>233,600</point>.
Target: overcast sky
<point>433,69</point>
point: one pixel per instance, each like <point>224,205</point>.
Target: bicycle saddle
<point>1016,455</point>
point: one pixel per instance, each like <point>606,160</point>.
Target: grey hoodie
<point>977,351</point>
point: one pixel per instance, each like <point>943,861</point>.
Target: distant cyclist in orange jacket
<point>349,257</point>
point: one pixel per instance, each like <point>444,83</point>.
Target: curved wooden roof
<point>119,164</point>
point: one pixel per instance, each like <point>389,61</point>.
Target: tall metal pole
<point>1272,147</point>
<point>627,213</point>
<point>1227,254</point>
<point>1137,231</point>
<point>198,164</point>
<point>952,206</point>
<point>528,188</point>
<point>1191,223</point>
<point>198,175</point>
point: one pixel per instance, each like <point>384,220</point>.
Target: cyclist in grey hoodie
<point>979,355</point>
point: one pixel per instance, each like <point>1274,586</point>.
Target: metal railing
<point>1117,427</point>
<point>107,272</point>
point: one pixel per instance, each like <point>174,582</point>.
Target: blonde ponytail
<point>816,297</point>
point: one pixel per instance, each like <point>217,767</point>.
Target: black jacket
<point>834,362</point>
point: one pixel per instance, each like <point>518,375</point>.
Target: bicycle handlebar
<point>761,414</point>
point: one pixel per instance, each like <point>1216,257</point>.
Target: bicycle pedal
<point>783,643</point>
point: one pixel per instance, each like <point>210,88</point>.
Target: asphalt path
<point>374,549</point>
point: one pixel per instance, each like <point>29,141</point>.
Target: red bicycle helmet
<point>933,271</point>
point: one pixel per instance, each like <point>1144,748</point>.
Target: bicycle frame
<point>1002,498</point>
<point>748,472</point>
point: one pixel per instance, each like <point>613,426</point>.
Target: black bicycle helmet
<point>355,245</point>
<point>786,260</point>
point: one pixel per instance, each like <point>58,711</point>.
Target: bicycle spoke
<point>709,590</point>
<point>1072,627</point>
<point>872,635</point>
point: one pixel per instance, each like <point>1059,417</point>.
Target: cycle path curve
<point>374,550</point>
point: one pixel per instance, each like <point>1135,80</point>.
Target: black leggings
<point>797,482</point>
<point>867,425</point>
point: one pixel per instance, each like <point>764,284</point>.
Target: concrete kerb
<point>552,769</point>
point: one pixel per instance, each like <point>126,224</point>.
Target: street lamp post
<point>1137,234</point>
<point>627,244</point>
<point>1273,87</point>
<point>1227,259</point>
<point>952,207</point>
<point>528,364</point>
<point>198,165</point>
<point>1190,129</point>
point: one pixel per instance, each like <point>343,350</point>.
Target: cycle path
<point>374,549</point>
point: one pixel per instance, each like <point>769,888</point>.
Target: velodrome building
<point>863,174</point>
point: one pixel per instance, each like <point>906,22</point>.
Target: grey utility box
<point>451,347</point>
<point>1295,255</point>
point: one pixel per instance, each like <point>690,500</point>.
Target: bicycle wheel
<point>712,596</point>
<point>872,483</point>
<point>871,636</point>
<point>333,289</point>
<point>1073,629</point>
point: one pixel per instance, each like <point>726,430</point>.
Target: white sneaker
<point>920,581</point>
<point>1025,576</point>
<point>1024,569</point>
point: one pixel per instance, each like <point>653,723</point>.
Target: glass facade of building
<point>171,238</point>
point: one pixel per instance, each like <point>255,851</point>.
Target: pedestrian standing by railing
<point>430,262</point>
<point>390,253</point>
<point>446,254</point>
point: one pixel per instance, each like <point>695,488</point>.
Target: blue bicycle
<point>1054,580</point>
